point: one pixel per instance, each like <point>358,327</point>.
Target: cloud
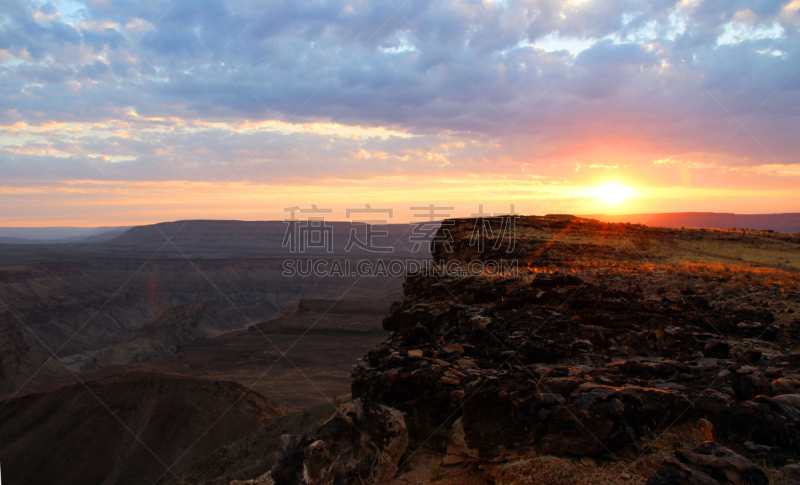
<point>482,86</point>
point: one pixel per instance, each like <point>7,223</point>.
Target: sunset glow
<point>550,106</point>
<point>612,193</point>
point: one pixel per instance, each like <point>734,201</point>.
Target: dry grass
<point>675,246</point>
<point>635,464</point>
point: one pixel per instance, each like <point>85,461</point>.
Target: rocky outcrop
<point>362,443</point>
<point>765,421</point>
<point>708,464</point>
<point>582,353</point>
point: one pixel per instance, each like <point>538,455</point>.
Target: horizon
<point>396,222</point>
<point>120,114</point>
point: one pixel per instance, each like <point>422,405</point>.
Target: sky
<point>123,113</point>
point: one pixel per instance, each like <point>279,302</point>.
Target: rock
<point>419,335</point>
<point>415,354</point>
<point>709,404</point>
<point>361,443</point>
<point>771,455</point>
<point>600,419</point>
<point>500,414</point>
<point>764,421</point>
<point>719,349</point>
<point>467,364</point>
<point>452,350</point>
<point>748,386</point>
<point>479,322</point>
<point>673,472</point>
<point>388,377</point>
<point>791,472</point>
<point>561,385</point>
<point>708,464</point>
<point>374,357</point>
<point>459,451</point>
<point>578,359</point>
<point>723,464</point>
<point>785,385</point>
<point>265,479</point>
<point>752,356</point>
<point>404,319</point>
<point>451,380</point>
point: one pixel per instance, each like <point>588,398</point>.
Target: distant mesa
<point>59,235</point>
<point>269,235</point>
<point>256,236</point>
<point>788,223</point>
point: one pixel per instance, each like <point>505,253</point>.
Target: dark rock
<point>719,349</point>
<point>673,472</point>
<point>600,419</point>
<point>790,472</point>
<point>405,319</point>
<point>764,421</point>
<point>561,385</point>
<point>418,335</point>
<point>496,414</point>
<point>752,356</point>
<point>748,386</point>
<point>709,404</point>
<point>709,463</point>
<point>580,362</point>
<point>771,455</point>
<point>361,443</point>
<point>785,385</point>
<point>374,357</point>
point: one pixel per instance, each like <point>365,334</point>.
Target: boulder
<point>748,386</point>
<point>708,464</point>
<point>790,472</point>
<point>601,419</point>
<point>768,455</point>
<point>674,472</point>
<point>362,443</point>
<point>763,420</point>
<point>785,385</point>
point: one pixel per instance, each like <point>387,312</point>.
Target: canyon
<point>608,351</point>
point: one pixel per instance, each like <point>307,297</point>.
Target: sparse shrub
<point>707,429</point>
<point>733,287</point>
<point>436,473</point>
<point>642,241</point>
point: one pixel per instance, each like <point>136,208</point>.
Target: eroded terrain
<point>616,351</point>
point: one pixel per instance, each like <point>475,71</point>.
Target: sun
<point>611,193</point>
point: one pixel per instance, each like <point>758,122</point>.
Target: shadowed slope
<point>69,436</point>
